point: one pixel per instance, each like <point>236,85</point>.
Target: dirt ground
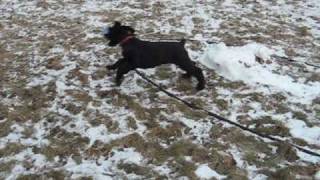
<point>62,117</point>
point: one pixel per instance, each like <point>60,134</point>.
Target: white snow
<point>205,172</point>
<point>164,169</point>
<point>101,168</point>
<point>251,169</point>
<point>317,175</point>
<point>307,157</point>
<point>16,136</point>
<point>299,129</point>
<point>201,130</point>
<point>239,64</point>
<point>233,63</point>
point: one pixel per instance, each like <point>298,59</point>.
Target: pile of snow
<point>240,64</point>
<point>205,172</point>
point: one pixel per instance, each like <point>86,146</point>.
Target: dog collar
<point>125,40</point>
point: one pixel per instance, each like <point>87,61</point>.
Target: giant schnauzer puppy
<point>144,54</point>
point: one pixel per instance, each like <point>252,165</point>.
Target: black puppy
<point>144,54</point>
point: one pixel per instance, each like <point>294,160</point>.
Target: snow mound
<point>242,64</point>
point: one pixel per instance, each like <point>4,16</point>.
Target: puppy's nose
<point>105,31</point>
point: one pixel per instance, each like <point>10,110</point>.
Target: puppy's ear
<point>117,23</point>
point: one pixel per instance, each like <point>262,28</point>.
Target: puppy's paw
<point>200,87</point>
<point>118,82</point>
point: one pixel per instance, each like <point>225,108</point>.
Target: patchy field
<point>62,117</point>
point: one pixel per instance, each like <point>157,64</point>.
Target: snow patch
<point>299,129</point>
<point>203,171</point>
<point>163,170</point>
<point>199,129</point>
<point>102,168</point>
<point>317,176</point>
<point>307,157</point>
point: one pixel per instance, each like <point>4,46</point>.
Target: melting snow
<point>101,168</point>
<point>203,171</point>
<point>234,63</point>
<point>240,64</point>
<point>299,129</point>
<point>317,176</point>
<point>201,130</point>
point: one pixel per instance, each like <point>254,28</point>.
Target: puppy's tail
<point>183,41</point>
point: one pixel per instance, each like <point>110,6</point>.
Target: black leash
<point>195,107</point>
<point>297,62</point>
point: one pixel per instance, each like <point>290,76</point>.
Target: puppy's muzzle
<point>106,31</point>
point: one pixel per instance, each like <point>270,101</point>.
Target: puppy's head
<point>117,33</point>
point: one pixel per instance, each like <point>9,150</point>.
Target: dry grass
<point>25,42</point>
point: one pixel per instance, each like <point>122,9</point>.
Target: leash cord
<point>195,107</point>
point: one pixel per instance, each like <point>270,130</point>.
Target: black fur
<point>144,54</point>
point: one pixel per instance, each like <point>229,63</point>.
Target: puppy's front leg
<point>115,65</point>
<point>124,68</point>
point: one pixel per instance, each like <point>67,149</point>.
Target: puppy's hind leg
<point>187,75</point>
<point>124,68</point>
<point>193,70</point>
<point>199,75</point>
